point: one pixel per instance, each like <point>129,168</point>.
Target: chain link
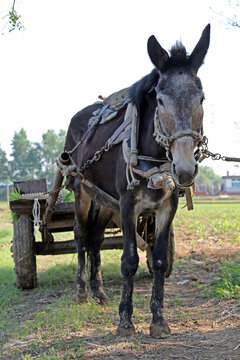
<point>205,153</point>
<point>96,157</point>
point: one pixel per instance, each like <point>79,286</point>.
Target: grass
<point>210,219</point>
<point>53,326</point>
<point>228,285</point>
<point>6,234</point>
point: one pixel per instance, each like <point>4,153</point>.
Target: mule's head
<point>179,104</point>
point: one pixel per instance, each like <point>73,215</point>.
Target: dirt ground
<point>201,327</point>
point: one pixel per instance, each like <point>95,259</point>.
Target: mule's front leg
<point>159,327</point>
<point>129,264</point>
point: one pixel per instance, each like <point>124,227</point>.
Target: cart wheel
<point>170,254</point>
<point>24,253</point>
<point>149,259</point>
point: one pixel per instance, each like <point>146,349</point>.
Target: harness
<point>158,176</point>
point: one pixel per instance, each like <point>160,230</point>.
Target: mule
<point>170,106</point>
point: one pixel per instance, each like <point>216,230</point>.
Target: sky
<point>71,51</point>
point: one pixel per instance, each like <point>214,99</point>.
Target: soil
<point>201,327</point>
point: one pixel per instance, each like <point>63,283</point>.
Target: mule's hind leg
<point>96,238</point>
<point>159,327</point>
<point>82,205</point>
<point>129,264</point>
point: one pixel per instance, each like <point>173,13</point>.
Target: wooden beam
<point>68,247</point>
<point>25,206</point>
<point>60,224</point>
<point>53,198</point>
<point>31,186</point>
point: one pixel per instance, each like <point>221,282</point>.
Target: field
<point>202,298</point>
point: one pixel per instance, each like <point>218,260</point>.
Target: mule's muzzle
<point>184,175</point>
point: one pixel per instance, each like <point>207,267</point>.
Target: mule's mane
<point>138,91</point>
<point>178,58</point>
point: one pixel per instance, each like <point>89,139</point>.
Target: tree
<point>35,160</point>
<point>4,173</point>
<point>14,19</point>
<point>52,146</point>
<point>208,178</point>
<point>26,163</point>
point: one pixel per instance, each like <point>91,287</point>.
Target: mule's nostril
<point>185,179</point>
<point>184,176</point>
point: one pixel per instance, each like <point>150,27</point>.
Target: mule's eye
<point>202,100</point>
<point>160,102</point>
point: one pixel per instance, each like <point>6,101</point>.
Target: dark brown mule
<point>174,91</point>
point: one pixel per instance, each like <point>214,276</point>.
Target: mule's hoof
<point>160,330</point>
<point>125,331</point>
<point>80,298</point>
<point>102,298</point>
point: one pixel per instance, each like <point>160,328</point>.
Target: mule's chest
<point>150,200</point>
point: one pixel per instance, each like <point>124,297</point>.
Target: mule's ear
<point>198,54</point>
<point>157,54</point>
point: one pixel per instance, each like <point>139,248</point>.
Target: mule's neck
<point>147,144</point>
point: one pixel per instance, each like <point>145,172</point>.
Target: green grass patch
<point>9,294</point>
<point>68,196</point>
<point>210,219</point>
<point>228,286</point>
<point>59,274</point>
<point>15,194</point>
<point>64,317</point>
<point>6,234</point>
<point>5,216</point>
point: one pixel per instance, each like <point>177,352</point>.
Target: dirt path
<point>201,327</point>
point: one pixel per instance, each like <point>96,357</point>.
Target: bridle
<point>167,142</point>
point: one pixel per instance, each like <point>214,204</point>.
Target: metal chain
<point>94,124</point>
<point>205,153</point>
<point>96,157</point>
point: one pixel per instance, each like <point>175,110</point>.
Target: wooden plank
<point>60,224</point>
<point>64,207</point>
<point>25,206</point>
<point>68,247</point>
<point>31,186</point>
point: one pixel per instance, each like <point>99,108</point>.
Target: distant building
<point>205,190</point>
<point>231,184</point>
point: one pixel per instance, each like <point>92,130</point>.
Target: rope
<point>36,215</point>
<point>32,196</point>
